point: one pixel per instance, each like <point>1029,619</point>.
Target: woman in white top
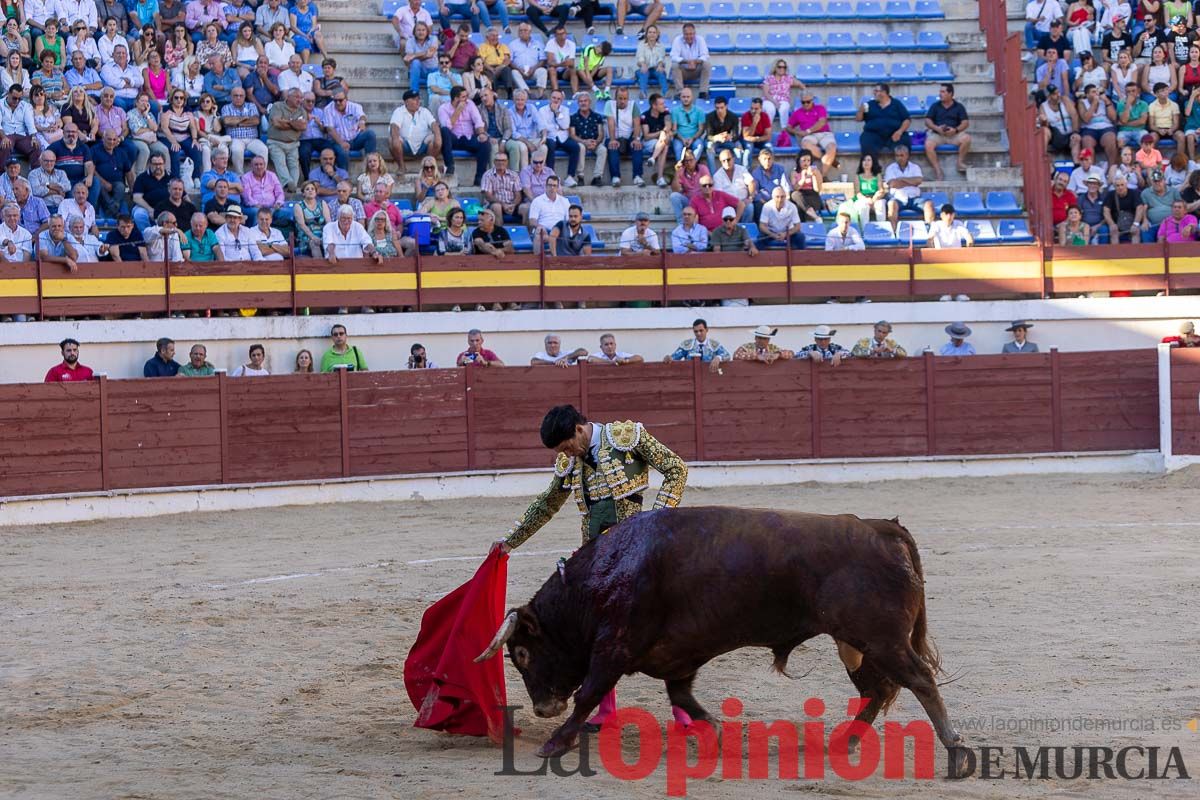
<point>1127,169</point>
<point>14,73</point>
<point>1122,73</point>
<point>652,60</point>
<point>246,49</point>
<point>1159,71</point>
<point>1089,73</point>
<point>279,51</point>
<point>258,355</point>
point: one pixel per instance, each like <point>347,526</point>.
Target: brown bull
<point>665,592</point>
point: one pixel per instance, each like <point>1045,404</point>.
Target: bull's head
<point>546,670</point>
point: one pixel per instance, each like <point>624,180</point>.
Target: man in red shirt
<point>476,354</point>
<point>1061,198</point>
<point>70,369</point>
<point>709,204</point>
<point>756,132</point>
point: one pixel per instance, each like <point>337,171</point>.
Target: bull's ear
<point>528,622</point>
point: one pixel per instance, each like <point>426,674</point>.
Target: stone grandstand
<point>838,48</point>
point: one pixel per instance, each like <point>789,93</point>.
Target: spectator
<point>219,204</point>
<point>886,123</point>
<point>1089,73</point>
<point>1180,226</point>
<point>624,137</point>
<point>220,172</point>
<point>650,10</point>
<point>497,59</point>
<point>386,238</point>
<point>556,122</point>
<point>657,128</point>
<point>552,355</point>
<point>112,38</point>
<point>344,197</point>
<point>1176,170</point>
<point>533,182</point>
<point>777,93</point>
<point>588,132</point>
<point>824,349</point>
<point>1020,343</point>
<point>546,212</point>
<point>762,349</point>
<point>176,201</point>
<point>312,138</point>
<point>947,233</point>
<point>475,80</point>
<point>125,242</point>
<point>686,184</point>
<point>48,182</point>
<point>78,206</point>
<point>16,243</point>
<point>1124,212</point>
<point>651,61</point>
<point>380,203</point>
<point>221,79</point>
<point>690,61</point>
<point>537,9</point>
<point>310,215</point>
<point>880,344</point>
<point>475,11</point>
<point>287,121</point>
<point>462,129</point>
<point>733,179</point>
<point>143,133</point>
<point>476,354</point>
<point>261,191</point>
<point>756,132</point>
<point>498,122</point>
<point>768,176</point>
<point>200,243</point>
<point>1158,198</point>
<point>114,171</point>
<point>1159,70</point>
<point>569,238</point>
<point>560,57</point>
<point>294,77</point>
<point>162,364</point>
<point>34,216</point>
<point>639,238</point>
<point>342,352</point>
<point>947,123</point>
<point>780,222</point>
<point>1091,205</point>
<point>1148,159</point>
<point>809,125</point>
<point>439,84</point>
<point>123,78</point>
<point>700,346</point>
<point>958,344</point>
<point>346,238</point>
<point>278,51</point>
<point>710,204</point>
<point>1059,124</point>
<point>53,247</point>
<point>1164,119</point>
<point>806,188</point>
<point>1039,16</point>
<point>689,124</point>
<point>81,75</point>
<point>304,361</point>
<point>904,179</point>
<point>417,358</point>
<point>1097,116</point>
<point>591,68</point>
<point>69,370</point>
<point>238,243</point>
<point>405,20</point>
<point>1191,126</point>
<point>1061,197</point>
<point>843,235</point>
<point>491,239</point>
<point>1074,232</point>
<point>689,236</point>
<point>722,132</point>
<point>327,174</point>
<point>268,14</point>
<point>12,174</point>
<point>241,121</point>
<point>197,366</point>
<point>346,124</point>
<point>413,131</point>
<point>74,158</point>
<point>255,368</point>
<point>439,206</point>
<point>731,237</point>
<point>1151,36</point>
<point>421,56</point>
<point>1129,169</point>
<point>529,62</point>
<point>609,355</point>
<point>1187,336</point>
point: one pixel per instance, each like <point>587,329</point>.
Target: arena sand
<point>258,654</point>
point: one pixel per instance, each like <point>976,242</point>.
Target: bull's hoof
<point>957,764</point>
<point>555,748</point>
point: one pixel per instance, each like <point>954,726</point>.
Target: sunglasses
<point>539,163</point>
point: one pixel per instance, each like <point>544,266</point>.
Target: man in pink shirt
<point>809,127</point>
<point>462,129</point>
<point>476,355</point>
<point>201,12</point>
<point>709,203</point>
<point>379,202</point>
<point>1180,226</point>
<point>261,189</point>
<point>70,369</point>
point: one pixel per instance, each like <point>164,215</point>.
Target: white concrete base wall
<point>119,348</point>
<point>527,483</point>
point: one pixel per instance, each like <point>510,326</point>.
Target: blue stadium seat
<point>938,199</point>
<point>720,74</point>
<point>693,12</point>
<point>751,230</point>
<point>753,11</point>
<point>476,39</point>
<point>596,242</point>
<point>718,43</point>
<point>878,234</point>
<point>1002,203</point>
<point>1015,231</point>
<point>914,231</point>
<point>932,40</point>
<point>930,99</point>
<point>898,9</point>
<point>839,9</point>
<point>937,71</point>
<point>840,105</point>
<point>809,73</point>
<point>928,9</point>
<point>390,7</point>
<point>750,43</point>
<point>805,42</point>
<point>847,142</point>
<point>404,204</point>
<point>520,238</point>
<point>722,11</point>
<point>969,204</point>
<point>627,45</point>
<point>739,105</point>
<point>805,9</point>
<point>983,231</point>
<point>905,71</point>
<point>839,41</point>
<point>871,41</point>
<point>312,69</point>
<point>706,105</point>
<point>901,40</point>
<point>814,235</point>
<point>914,104</point>
<point>745,75</point>
<point>577,200</point>
<point>842,73</point>
<point>872,73</point>
<point>868,9</point>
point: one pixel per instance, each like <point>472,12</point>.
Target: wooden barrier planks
<point>978,271</point>
<point>356,282</point>
<point>102,288</point>
<point>753,411</point>
<point>163,432</point>
<point>231,284</point>
<point>411,421</point>
<point>993,404</point>
<point>603,278</point>
<point>872,408</point>
<point>660,396</point>
<point>283,427</point>
<point>1110,400</point>
<point>447,280</point>
<point>508,406</point>
<point>49,438</point>
<point>1185,402</point>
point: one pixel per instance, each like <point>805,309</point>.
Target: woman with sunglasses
<point>177,128</point>
<point>144,46</point>
<point>777,91</point>
<point>427,179</point>
<point>177,48</point>
<point>79,109</point>
<point>208,125</point>
<point>46,118</point>
<point>81,41</point>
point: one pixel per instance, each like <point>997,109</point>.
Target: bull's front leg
<point>597,684</point>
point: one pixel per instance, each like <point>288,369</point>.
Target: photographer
<point>417,358</point>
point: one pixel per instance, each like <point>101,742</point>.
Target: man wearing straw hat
<point>958,344</point>
<point>762,349</point>
<point>823,348</point>
<point>1020,343</point>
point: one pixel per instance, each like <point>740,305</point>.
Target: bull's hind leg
<point>682,699</point>
<point>879,690</point>
<point>906,668</point>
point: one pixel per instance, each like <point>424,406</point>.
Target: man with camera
<point>417,358</point>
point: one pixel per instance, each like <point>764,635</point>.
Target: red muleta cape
<point>449,691</point>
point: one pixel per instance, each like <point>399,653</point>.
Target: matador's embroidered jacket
<point>615,485</point>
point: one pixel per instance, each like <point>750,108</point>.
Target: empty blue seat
<point>1002,203</point>
<point>932,40</point>
<point>390,7</point>
<point>750,42</point>
<point>739,105</point>
<point>693,12</point>
<point>901,40</point>
<point>914,104</point>
<point>746,74</point>
<point>752,11</point>
<point>625,44</point>
<point>898,9</point>
<point>722,11</point>
<point>938,199</point>
<point>841,73</point>
<point>969,204</point>
<point>878,234</point>
<point>805,42</point>
<point>814,235</point>
<point>905,71</point>
<point>312,69</point>
<point>404,204</point>
<point>912,231</point>
<point>476,39</point>
<point>1014,231</point>
<point>718,43</point>
<point>928,9</point>
<point>868,9</point>
<point>805,9</point>
<point>840,105</point>
<point>847,142</point>
<point>839,9</point>
<point>839,41</point>
<point>984,232</point>
<point>871,41</point>
<point>872,73</point>
<point>809,73</point>
<point>520,238</point>
<point>751,230</point>
<point>596,242</point>
<point>937,71</point>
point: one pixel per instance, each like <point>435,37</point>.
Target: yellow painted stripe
<point>978,271</point>
<point>1105,268</point>
<point>1185,265</point>
<point>700,276</point>
<point>604,277</point>
<point>230,284</point>
<point>479,279</point>
<point>104,287</point>
<point>357,282</point>
<point>18,287</point>
<point>839,273</point>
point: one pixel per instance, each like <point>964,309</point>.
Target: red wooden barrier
<point>1185,402</point>
<point>49,438</point>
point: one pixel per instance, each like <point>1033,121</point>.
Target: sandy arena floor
<point>258,654</point>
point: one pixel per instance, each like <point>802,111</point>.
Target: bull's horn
<point>502,635</point>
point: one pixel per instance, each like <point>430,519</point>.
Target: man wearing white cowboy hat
<point>958,344</point>
<point>823,347</point>
<point>1020,343</point>
<point>762,349</point>
<point>238,243</point>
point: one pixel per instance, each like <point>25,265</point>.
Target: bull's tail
<point>922,643</point>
